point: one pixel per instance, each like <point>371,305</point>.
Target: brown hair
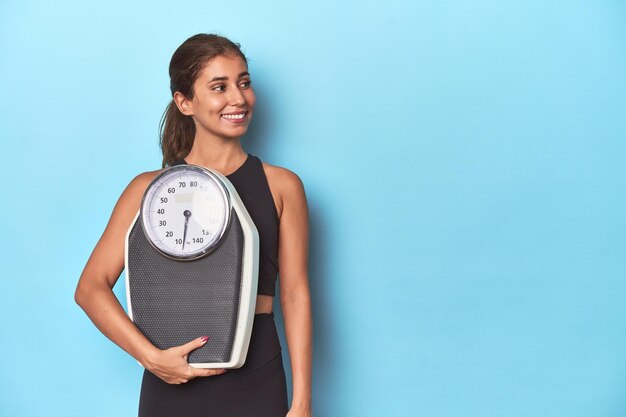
<point>177,131</point>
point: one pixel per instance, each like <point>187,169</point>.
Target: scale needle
<point>187,214</point>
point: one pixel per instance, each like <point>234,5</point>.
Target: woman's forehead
<point>228,66</point>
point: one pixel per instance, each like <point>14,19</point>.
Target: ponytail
<point>177,132</point>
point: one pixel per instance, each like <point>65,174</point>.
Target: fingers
<point>192,345</point>
<point>206,372</point>
<point>191,372</point>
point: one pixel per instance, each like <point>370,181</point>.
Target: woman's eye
<point>219,88</point>
<point>246,84</point>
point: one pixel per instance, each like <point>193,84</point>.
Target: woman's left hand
<point>300,412</point>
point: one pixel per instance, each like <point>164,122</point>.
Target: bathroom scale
<point>192,261</point>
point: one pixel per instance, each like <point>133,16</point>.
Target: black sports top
<point>251,184</point>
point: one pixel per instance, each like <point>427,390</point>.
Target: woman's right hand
<point>171,364</point>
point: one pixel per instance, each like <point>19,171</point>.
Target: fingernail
<point>204,339</point>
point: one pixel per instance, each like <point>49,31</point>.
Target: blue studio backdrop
<point>464,169</point>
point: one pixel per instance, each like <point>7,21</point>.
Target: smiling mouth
<point>235,117</point>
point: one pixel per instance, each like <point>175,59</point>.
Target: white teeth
<point>234,116</point>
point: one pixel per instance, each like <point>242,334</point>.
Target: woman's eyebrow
<point>243,74</point>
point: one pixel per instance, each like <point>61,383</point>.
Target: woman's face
<point>224,99</point>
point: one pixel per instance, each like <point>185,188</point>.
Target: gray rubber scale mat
<point>174,301</point>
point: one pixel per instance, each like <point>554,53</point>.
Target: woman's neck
<point>224,156</point>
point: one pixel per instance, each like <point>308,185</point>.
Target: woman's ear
<point>184,105</point>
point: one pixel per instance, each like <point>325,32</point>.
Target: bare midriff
<point>264,304</point>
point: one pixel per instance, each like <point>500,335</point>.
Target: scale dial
<point>185,211</point>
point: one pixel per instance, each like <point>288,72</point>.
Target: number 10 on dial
<point>185,211</point>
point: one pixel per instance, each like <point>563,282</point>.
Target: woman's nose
<point>236,97</point>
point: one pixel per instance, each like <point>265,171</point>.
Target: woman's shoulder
<point>286,187</point>
<point>283,178</point>
<point>141,181</point>
<point>127,207</point>
<point>130,200</point>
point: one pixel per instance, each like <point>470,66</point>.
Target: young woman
<point>212,106</point>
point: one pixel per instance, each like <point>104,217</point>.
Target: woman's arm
<point>95,295</point>
<point>294,289</point>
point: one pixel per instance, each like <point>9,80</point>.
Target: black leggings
<point>256,389</point>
